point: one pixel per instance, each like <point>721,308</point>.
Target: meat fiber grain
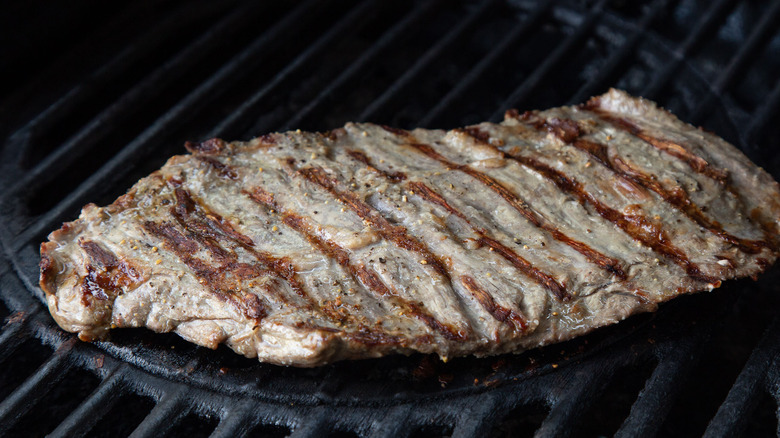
<point>306,248</point>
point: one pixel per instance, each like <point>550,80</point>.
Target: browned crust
<point>363,158</point>
<point>392,233</point>
<point>500,313</point>
<point>695,162</point>
<point>213,146</point>
<point>605,262</point>
<point>359,272</point>
<point>639,227</point>
<point>569,131</point>
<point>523,265</point>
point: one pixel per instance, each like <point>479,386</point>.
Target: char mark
<point>212,146</point>
<point>635,225</point>
<point>570,132</point>
<point>500,313</point>
<point>695,162</point>
<point>363,158</point>
<point>605,262</point>
<point>221,278</point>
<point>224,275</point>
<point>521,264</point>
<point>359,272</point>
<point>390,232</point>
<point>222,169</point>
<point>107,275</point>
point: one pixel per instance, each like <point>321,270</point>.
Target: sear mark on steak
<point>303,248</point>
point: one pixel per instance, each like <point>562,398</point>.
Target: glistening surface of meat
<point>303,248</point>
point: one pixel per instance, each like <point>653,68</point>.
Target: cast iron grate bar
<point>118,165</point>
<point>578,37</point>
<point>573,399</point>
<point>389,37</point>
<point>715,13</point>
<point>168,411</point>
<point>612,64</point>
<point>736,408</point>
<point>527,25</point>
<point>313,424</point>
<point>478,417</point>
<point>763,115</point>
<point>660,390</point>
<point>429,56</point>
<point>241,114</point>
<point>393,424</point>
<point>82,419</point>
<point>36,386</point>
<point>105,74</point>
<point>766,26</point>
<point>153,84</point>
<point>11,335</point>
<point>240,417</point>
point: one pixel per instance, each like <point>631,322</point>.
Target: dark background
<point>95,95</point>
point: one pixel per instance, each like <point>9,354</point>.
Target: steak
<point>306,248</point>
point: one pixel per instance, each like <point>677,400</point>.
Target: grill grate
<point>85,131</point>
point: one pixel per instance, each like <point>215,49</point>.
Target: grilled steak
<point>306,248</point>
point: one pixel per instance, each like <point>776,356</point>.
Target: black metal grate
<point>123,85</point>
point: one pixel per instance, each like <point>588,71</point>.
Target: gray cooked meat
<point>305,248</point>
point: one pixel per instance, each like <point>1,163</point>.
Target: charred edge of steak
<point>107,276</point>
<point>213,146</point>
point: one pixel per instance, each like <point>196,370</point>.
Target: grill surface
<point>126,84</point>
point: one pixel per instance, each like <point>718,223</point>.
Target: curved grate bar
<point>393,424</point>
<point>237,420</point>
<point>478,418</point>
<point>735,410</point>
<point>660,390</point>
<point>313,424</point>
<point>578,37</point>
<point>168,411</point>
<point>571,400</point>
